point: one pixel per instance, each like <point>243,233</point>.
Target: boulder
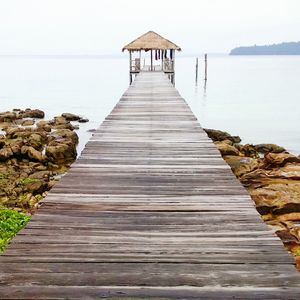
<point>287,237</point>
<point>6,153</point>
<point>44,126</point>
<point>83,120</point>
<point>36,140</point>
<point>65,134</point>
<point>289,171</point>
<point>257,178</point>
<point>71,117</point>
<point>64,126</point>
<point>8,116</point>
<point>32,113</point>
<point>35,186</point>
<point>61,153</point>
<point>35,154</point>
<point>241,165</point>
<point>266,148</point>
<point>45,175</point>
<point>272,160</point>
<point>16,132</point>
<point>248,150</point>
<point>28,122</point>
<point>60,120</point>
<point>42,123</point>
<point>2,141</point>
<point>226,149</point>
<point>228,142</point>
<point>5,125</point>
<point>218,136</point>
<point>16,146</point>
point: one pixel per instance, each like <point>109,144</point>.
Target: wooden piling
<point>205,71</point>
<point>130,74</point>
<point>196,70</point>
<point>151,60</point>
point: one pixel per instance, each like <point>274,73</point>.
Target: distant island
<point>292,48</point>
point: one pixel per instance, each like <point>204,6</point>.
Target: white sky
<point>104,26</point>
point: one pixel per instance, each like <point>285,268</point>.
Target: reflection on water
<point>204,90</point>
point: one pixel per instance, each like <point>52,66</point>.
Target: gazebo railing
<point>135,65</point>
<point>168,65</point>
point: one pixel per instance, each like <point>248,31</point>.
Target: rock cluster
<point>272,177</point>
<point>33,153</point>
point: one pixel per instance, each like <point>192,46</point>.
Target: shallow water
<point>256,97</point>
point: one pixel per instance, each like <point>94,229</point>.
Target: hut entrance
<point>161,55</point>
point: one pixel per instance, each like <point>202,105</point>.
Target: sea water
<point>255,97</point>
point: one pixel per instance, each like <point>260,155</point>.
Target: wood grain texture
<point>149,210</point>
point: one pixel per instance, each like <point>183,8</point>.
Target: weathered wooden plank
<point>152,274</point>
<point>136,292</point>
<point>140,257</point>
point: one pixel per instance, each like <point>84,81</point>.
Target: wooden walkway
<point>150,209</point>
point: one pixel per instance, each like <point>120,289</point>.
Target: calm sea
<point>256,97</point>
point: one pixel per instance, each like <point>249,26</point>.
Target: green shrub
<point>11,222</point>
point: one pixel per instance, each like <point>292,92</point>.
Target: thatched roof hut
<point>151,41</point>
<point>159,48</point>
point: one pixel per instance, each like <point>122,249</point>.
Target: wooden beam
<point>151,60</point>
<point>130,75</point>
<point>196,70</point>
<point>140,60</point>
<point>205,72</point>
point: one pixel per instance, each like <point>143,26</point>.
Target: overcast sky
<point>104,26</point>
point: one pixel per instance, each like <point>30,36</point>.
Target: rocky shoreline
<point>272,177</point>
<point>33,154</point>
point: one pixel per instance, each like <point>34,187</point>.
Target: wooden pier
<point>150,209</point>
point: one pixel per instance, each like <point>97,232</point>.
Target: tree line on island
<point>291,48</point>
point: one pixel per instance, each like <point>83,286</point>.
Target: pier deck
<point>150,209</point>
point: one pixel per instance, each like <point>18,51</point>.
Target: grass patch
<point>11,222</point>
<point>3,176</point>
<point>28,181</point>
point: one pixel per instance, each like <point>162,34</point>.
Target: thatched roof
<point>151,41</point>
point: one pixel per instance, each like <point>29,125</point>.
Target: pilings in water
<point>205,69</point>
<point>196,79</point>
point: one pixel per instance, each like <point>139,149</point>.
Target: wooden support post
<point>173,63</point>
<point>140,61</point>
<point>173,66</point>
<point>196,70</point>
<point>130,75</point>
<point>151,68</point>
<point>205,60</point>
